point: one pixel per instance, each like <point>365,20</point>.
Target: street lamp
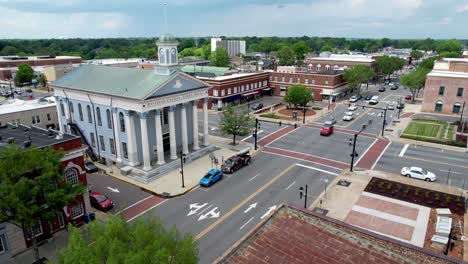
<point>182,161</point>
<point>301,189</point>
<point>257,127</point>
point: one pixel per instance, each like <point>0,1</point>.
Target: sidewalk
<point>170,185</point>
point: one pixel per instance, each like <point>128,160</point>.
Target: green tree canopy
<point>9,50</point>
<point>300,49</point>
<point>358,74</point>
<point>298,95</point>
<point>449,54</point>
<point>43,80</point>
<point>220,57</point>
<point>452,45</point>
<point>187,52</point>
<point>414,81</point>
<point>24,74</point>
<point>236,122</point>
<point>327,47</point>
<point>139,242</point>
<point>428,63</point>
<point>286,56</point>
<point>387,64</point>
<point>416,54</point>
<point>33,187</point>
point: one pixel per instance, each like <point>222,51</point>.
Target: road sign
<point>252,206</point>
<point>211,214</point>
<point>195,207</point>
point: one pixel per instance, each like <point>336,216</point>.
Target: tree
<point>387,65</point>
<point>236,122</point>
<point>116,241</point>
<point>452,45</point>
<point>416,54</point>
<point>300,49</point>
<point>286,56</point>
<point>220,57</point>
<point>327,47</point>
<point>9,50</point>
<point>43,80</point>
<point>358,74</point>
<point>428,63</point>
<point>33,188</point>
<point>187,52</point>
<point>298,95</point>
<point>415,80</point>
<point>24,74</point>
<point>449,54</point>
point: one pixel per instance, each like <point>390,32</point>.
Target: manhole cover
<point>320,211</point>
<point>344,183</point>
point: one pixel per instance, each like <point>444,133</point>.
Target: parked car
<point>90,167</point>
<point>348,116</point>
<point>355,98</point>
<point>327,129</point>
<point>257,106</point>
<point>352,107</point>
<point>382,89</point>
<point>29,90</point>
<point>368,97</point>
<point>236,162</point>
<point>408,97</point>
<point>331,120</point>
<point>393,87</point>
<point>390,107</point>
<point>100,201</point>
<point>213,176</point>
<point>374,100</point>
<point>418,173</point>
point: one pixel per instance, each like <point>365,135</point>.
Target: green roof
<point>218,71</point>
<point>131,83</point>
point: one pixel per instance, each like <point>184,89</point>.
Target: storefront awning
<point>251,93</point>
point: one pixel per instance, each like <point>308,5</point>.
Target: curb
<point>334,182</point>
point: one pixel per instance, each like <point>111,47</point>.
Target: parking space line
<point>290,185</point>
<point>454,172</point>
<point>317,169</point>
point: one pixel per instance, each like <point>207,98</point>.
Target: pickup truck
<point>236,162</point>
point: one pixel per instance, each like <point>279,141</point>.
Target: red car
<point>326,130</point>
<point>100,201</point>
<point>408,97</point>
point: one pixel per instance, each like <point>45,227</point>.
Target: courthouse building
<point>139,119</point>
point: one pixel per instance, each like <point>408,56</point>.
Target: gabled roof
<point>130,83</point>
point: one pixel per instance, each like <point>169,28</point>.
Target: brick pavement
<point>140,207</point>
<point>275,135</point>
<point>373,154</point>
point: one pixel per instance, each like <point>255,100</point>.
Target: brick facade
<point>40,62</point>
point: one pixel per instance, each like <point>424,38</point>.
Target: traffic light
<point>279,123</point>
<point>350,141</point>
<point>258,125</point>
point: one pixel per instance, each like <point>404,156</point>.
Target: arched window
<point>71,176</point>
<point>122,122</point>
<point>62,108</point>
<point>109,120</point>
<point>327,67</point>
<point>98,113</point>
<point>90,117</point>
<point>456,108</point>
<point>80,112</point>
<point>438,106</point>
<point>318,67</point>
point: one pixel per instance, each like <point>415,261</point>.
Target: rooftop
<point>448,74</point>
<point>292,235</point>
<point>17,105</point>
<point>38,137</point>
<point>20,58</point>
<point>344,57</point>
<point>133,83</point>
<point>231,76</point>
<point>218,71</point>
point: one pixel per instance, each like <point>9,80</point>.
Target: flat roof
<point>20,58</point>
<point>293,235</point>
<point>231,76</point>
<point>448,74</point>
<point>17,105</point>
<point>39,137</point>
<point>342,59</point>
<point>456,59</point>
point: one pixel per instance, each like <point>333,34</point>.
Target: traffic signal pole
<point>256,130</point>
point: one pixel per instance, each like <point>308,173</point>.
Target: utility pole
<point>399,107</point>
<point>304,114</point>
<point>463,109</point>
<point>384,121</point>
<point>353,154</point>
<point>182,161</point>
<point>257,124</point>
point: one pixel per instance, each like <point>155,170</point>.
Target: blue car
<point>211,177</point>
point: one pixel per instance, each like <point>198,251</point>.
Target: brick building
<point>14,240</point>
<point>236,87</point>
<point>446,88</point>
<point>465,54</point>
<point>292,235</point>
<point>323,84</point>
<point>338,61</point>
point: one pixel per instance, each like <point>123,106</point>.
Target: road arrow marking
<point>250,207</point>
<point>197,207</point>
<point>114,190</point>
<point>211,213</point>
<point>268,212</point>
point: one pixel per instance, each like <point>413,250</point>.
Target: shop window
<point>48,117</point>
<point>35,229</point>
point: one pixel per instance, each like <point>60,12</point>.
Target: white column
<point>118,154</point>
<point>159,138</point>
<point>205,122</point>
<point>131,140</point>
<point>144,141</point>
<point>183,120</point>
<point>172,133</point>
<point>195,125</point>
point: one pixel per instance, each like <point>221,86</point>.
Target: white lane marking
<point>363,154</point>
<point>403,150</point>
<point>252,206</point>
<point>308,161</point>
<point>380,156</point>
<point>254,177</point>
<point>113,189</point>
<point>271,209</point>
<point>244,139</point>
<point>246,223</point>
<point>142,200</point>
<point>454,172</point>
<point>146,210</point>
<point>196,206</point>
<point>317,169</point>
<point>300,153</point>
<point>201,212</point>
<point>290,185</point>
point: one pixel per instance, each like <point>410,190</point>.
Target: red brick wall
<point>69,145</point>
<point>39,62</point>
<point>431,93</point>
<point>5,74</point>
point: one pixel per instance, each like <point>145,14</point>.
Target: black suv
<point>236,162</point>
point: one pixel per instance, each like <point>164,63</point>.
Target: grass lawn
<point>424,129</point>
<point>430,131</point>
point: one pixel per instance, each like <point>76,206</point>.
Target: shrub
<point>271,115</point>
<point>316,108</point>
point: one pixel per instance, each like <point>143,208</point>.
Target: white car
<point>390,107</point>
<point>348,116</point>
<point>418,173</point>
<point>352,107</point>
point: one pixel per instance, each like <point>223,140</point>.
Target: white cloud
<point>18,24</point>
<point>463,8</point>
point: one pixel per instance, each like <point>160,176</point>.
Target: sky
<point>32,19</point>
